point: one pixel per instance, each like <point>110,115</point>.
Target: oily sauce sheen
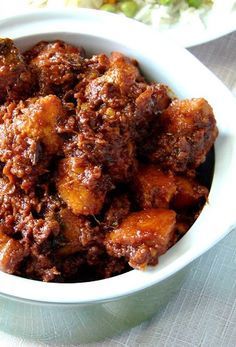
<point>99,168</point>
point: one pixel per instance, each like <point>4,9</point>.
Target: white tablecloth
<point>204,311</point>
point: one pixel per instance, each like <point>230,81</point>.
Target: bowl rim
<point>134,34</point>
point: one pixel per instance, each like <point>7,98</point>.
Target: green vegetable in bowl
<point>165,2</point>
<point>191,3</point>
<point>129,8</point>
<point>195,3</point>
<point>108,8</point>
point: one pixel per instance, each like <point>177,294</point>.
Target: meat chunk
<point>153,187</point>
<point>14,207</point>
<point>56,65</point>
<point>142,237</point>
<point>111,266</point>
<point>105,134</point>
<point>29,138</point>
<point>16,79</point>
<point>105,138</point>
<point>81,251</point>
<point>12,252</point>
<point>82,186</point>
<point>41,267</point>
<point>148,106</point>
<point>189,193</point>
<point>188,131</point>
<point>120,83</point>
<point>24,237</point>
<point>77,233</point>
<point>119,208</point>
<point>20,213</point>
<point>105,118</point>
<point>114,112</point>
<point>97,65</point>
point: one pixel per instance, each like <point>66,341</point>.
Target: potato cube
<point>154,188</point>
<point>82,186</point>
<point>189,193</point>
<point>11,253</point>
<point>39,120</point>
<point>142,237</point>
<point>188,133</point>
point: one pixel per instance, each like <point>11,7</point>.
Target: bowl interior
<point>159,61</point>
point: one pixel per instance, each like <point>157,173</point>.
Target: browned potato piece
<point>82,186</point>
<point>142,237</point>
<point>154,188</point>
<point>189,193</point>
<point>123,72</point>
<point>11,253</point>
<point>39,120</point>
<point>188,131</point>
<point>77,233</point>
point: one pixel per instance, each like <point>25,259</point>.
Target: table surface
<point>204,311</point>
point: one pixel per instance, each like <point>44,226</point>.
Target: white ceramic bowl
<point>127,299</point>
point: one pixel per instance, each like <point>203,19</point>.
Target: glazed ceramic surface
<point>81,323</point>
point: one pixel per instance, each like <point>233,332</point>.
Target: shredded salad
<point>155,12</point>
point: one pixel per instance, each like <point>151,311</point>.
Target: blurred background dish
<point>188,22</point>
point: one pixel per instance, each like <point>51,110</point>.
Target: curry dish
<point>99,168</point>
